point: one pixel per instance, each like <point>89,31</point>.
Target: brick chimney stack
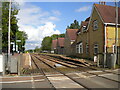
<point>102,3</point>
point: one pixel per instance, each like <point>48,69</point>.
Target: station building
<point>54,46</point>
<point>97,33</point>
<point>60,45</point>
<point>70,37</point>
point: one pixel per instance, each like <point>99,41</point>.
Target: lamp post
<point>116,31</point>
<point>0,27</point>
<point>9,28</point>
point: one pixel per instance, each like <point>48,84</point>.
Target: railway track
<point>37,65</point>
<point>46,60</point>
<point>56,71</point>
<point>77,64</point>
<point>80,67</point>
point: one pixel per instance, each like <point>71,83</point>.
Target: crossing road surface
<point>90,79</point>
<point>66,75</point>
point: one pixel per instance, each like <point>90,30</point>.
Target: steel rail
<point>89,72</point>
<point>63,73</point>
<point>42,72</point>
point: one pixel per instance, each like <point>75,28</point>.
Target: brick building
<point>70,37</point>
<point>60,46</point>
<point>54,46</point>
<point>82,40</point>
<point>98,34</point>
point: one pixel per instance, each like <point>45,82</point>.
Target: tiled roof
<point>61,42</point>
<point>54,44</point>
<point>72,33</point>
<point>107,13</point>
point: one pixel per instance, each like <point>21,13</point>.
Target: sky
<point>41,19</point>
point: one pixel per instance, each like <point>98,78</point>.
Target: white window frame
<point>95,24</point>
<point>81,48</point>
<point>77,48</point>
<point>113,48</point>
<point>96,47</point>
<point>87,48</point>
<point>84,29</point>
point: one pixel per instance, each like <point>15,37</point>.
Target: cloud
<point>36,34</point>
<point>56,12</point>
<point>37,24</point>
<point>20,2</point>
<point>53,18</point>
<point>85,8</point>
<point>32,15</point>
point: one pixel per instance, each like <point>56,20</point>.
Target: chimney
<point>102,2</point>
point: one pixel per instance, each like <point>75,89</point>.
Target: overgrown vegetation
<point>15,33</point>
<point>74,25</point>
<point>47,41</point>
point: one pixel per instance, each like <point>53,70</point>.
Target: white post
<point>105,48</point>
<point>9,29</point>
<point>0,27</point>
<point>116,32</point>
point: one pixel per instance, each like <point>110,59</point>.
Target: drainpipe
<point>116,32</point>
<point>105,48</point>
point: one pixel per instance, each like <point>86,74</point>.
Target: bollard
<point>113,61</point>
<point>98,61</point>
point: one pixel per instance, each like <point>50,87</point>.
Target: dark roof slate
<point>108,13</point>
<point>72,33</point>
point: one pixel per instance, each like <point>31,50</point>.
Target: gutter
<point>111,24</point>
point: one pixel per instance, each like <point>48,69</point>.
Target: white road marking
<point>22,81</point>
<point>53,74</point>
<point>105,74</point>
<point>94,71</point>
<point>20,76</point>
<point>33,83</point>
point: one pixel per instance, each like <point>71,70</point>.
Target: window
<point>87,49</point>
<point>83,28</point>
<point>95,24</point>
<point>96,49</point>
<point>77,48</point>
<point>113,48</point>
<point>80,48</point>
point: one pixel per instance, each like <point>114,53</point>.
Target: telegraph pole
<point>0,27</point>
<point>116,32</point>
<point>9,27</point>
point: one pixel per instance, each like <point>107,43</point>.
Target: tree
<point>74,25</point>
<point>22,36</point>
<point>14,27</point>
<point>37,49</point>
<point>55,36</point>
<point>47,41</point>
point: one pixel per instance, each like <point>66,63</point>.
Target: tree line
<point>14,30</point>
<point>47,41</point>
